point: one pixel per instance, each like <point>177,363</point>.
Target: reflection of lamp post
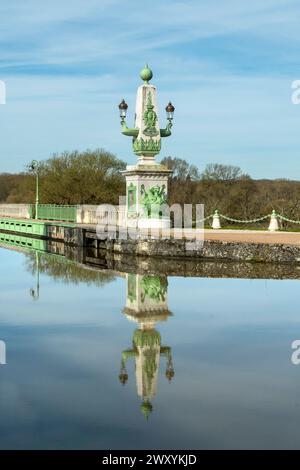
<point>146,304</point>
<point>35,293</point>
<point>2,352</point>
<point>34,167</point>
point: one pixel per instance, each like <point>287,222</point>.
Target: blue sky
<point>227,66</point>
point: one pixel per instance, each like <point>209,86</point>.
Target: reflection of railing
<point>23,242</point>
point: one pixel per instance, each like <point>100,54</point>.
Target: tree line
<point>232,192</point>
<point>90,177</point>
<point>95,177</point>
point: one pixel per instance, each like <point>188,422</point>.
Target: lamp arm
<point>127,354</point>
<point>167,131</point>
<point>129,131</point>
<point>166,351</point>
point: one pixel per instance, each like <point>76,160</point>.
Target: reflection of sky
<point>234,384</point>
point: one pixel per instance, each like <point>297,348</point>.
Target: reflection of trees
<point>65,270</point>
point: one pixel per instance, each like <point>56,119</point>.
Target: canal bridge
<point>78,226</point>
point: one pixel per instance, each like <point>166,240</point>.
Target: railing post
<point>216,221</point>
<point>273,227</point>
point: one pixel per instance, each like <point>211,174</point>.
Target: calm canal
<point>105,360</point>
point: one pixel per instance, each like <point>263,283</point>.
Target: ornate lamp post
<point>34,167</point>
<point>147,181</point>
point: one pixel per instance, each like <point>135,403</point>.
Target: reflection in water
<point>60,389</point>
<point>60,268</point>
<point>48,257</point>
<point>146,304</point>
<point>21,242</point>
<point>35,293</point>
<point>2,353</point>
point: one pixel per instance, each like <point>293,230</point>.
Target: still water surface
<point>102,360</point>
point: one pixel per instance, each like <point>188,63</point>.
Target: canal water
<point>95,359</point>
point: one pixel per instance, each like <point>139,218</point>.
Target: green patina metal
<point>130,132</point>
<point>29,227</point>
<point>154,287</point>
<point>146,408</point>
<point>146,74</point>
<point>147,346</point>
<point>150,119</point>
<point>153,199</point>
<point>167,131</point>
<point>35,244</point>
<point>57,212</point>
<point>131,198</point>
<point>149,338</point>
<point>127,354</point>
<point>149,341</point>
<point>29,245</point>
<point>131,287</point>
<point>146,147</point>
<point>150,365</point>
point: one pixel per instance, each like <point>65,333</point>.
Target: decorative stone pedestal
<point>146,192</point>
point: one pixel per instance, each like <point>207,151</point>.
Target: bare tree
<point>218,172</point>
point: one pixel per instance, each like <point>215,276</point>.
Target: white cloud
<point>67,65</point>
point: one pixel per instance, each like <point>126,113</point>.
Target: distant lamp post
<point>34,167</point>
<point>123,106</point>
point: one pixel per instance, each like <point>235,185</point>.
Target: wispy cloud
<point>228,66</point>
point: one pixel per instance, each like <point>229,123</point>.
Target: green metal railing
<point>55,212</point>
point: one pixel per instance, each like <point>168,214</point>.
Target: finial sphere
<point>146,74</point>
<point>146,408</point>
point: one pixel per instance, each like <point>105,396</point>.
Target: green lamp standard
<point>147,181</point>
<point>34,167</point>
<point>146,119</point>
